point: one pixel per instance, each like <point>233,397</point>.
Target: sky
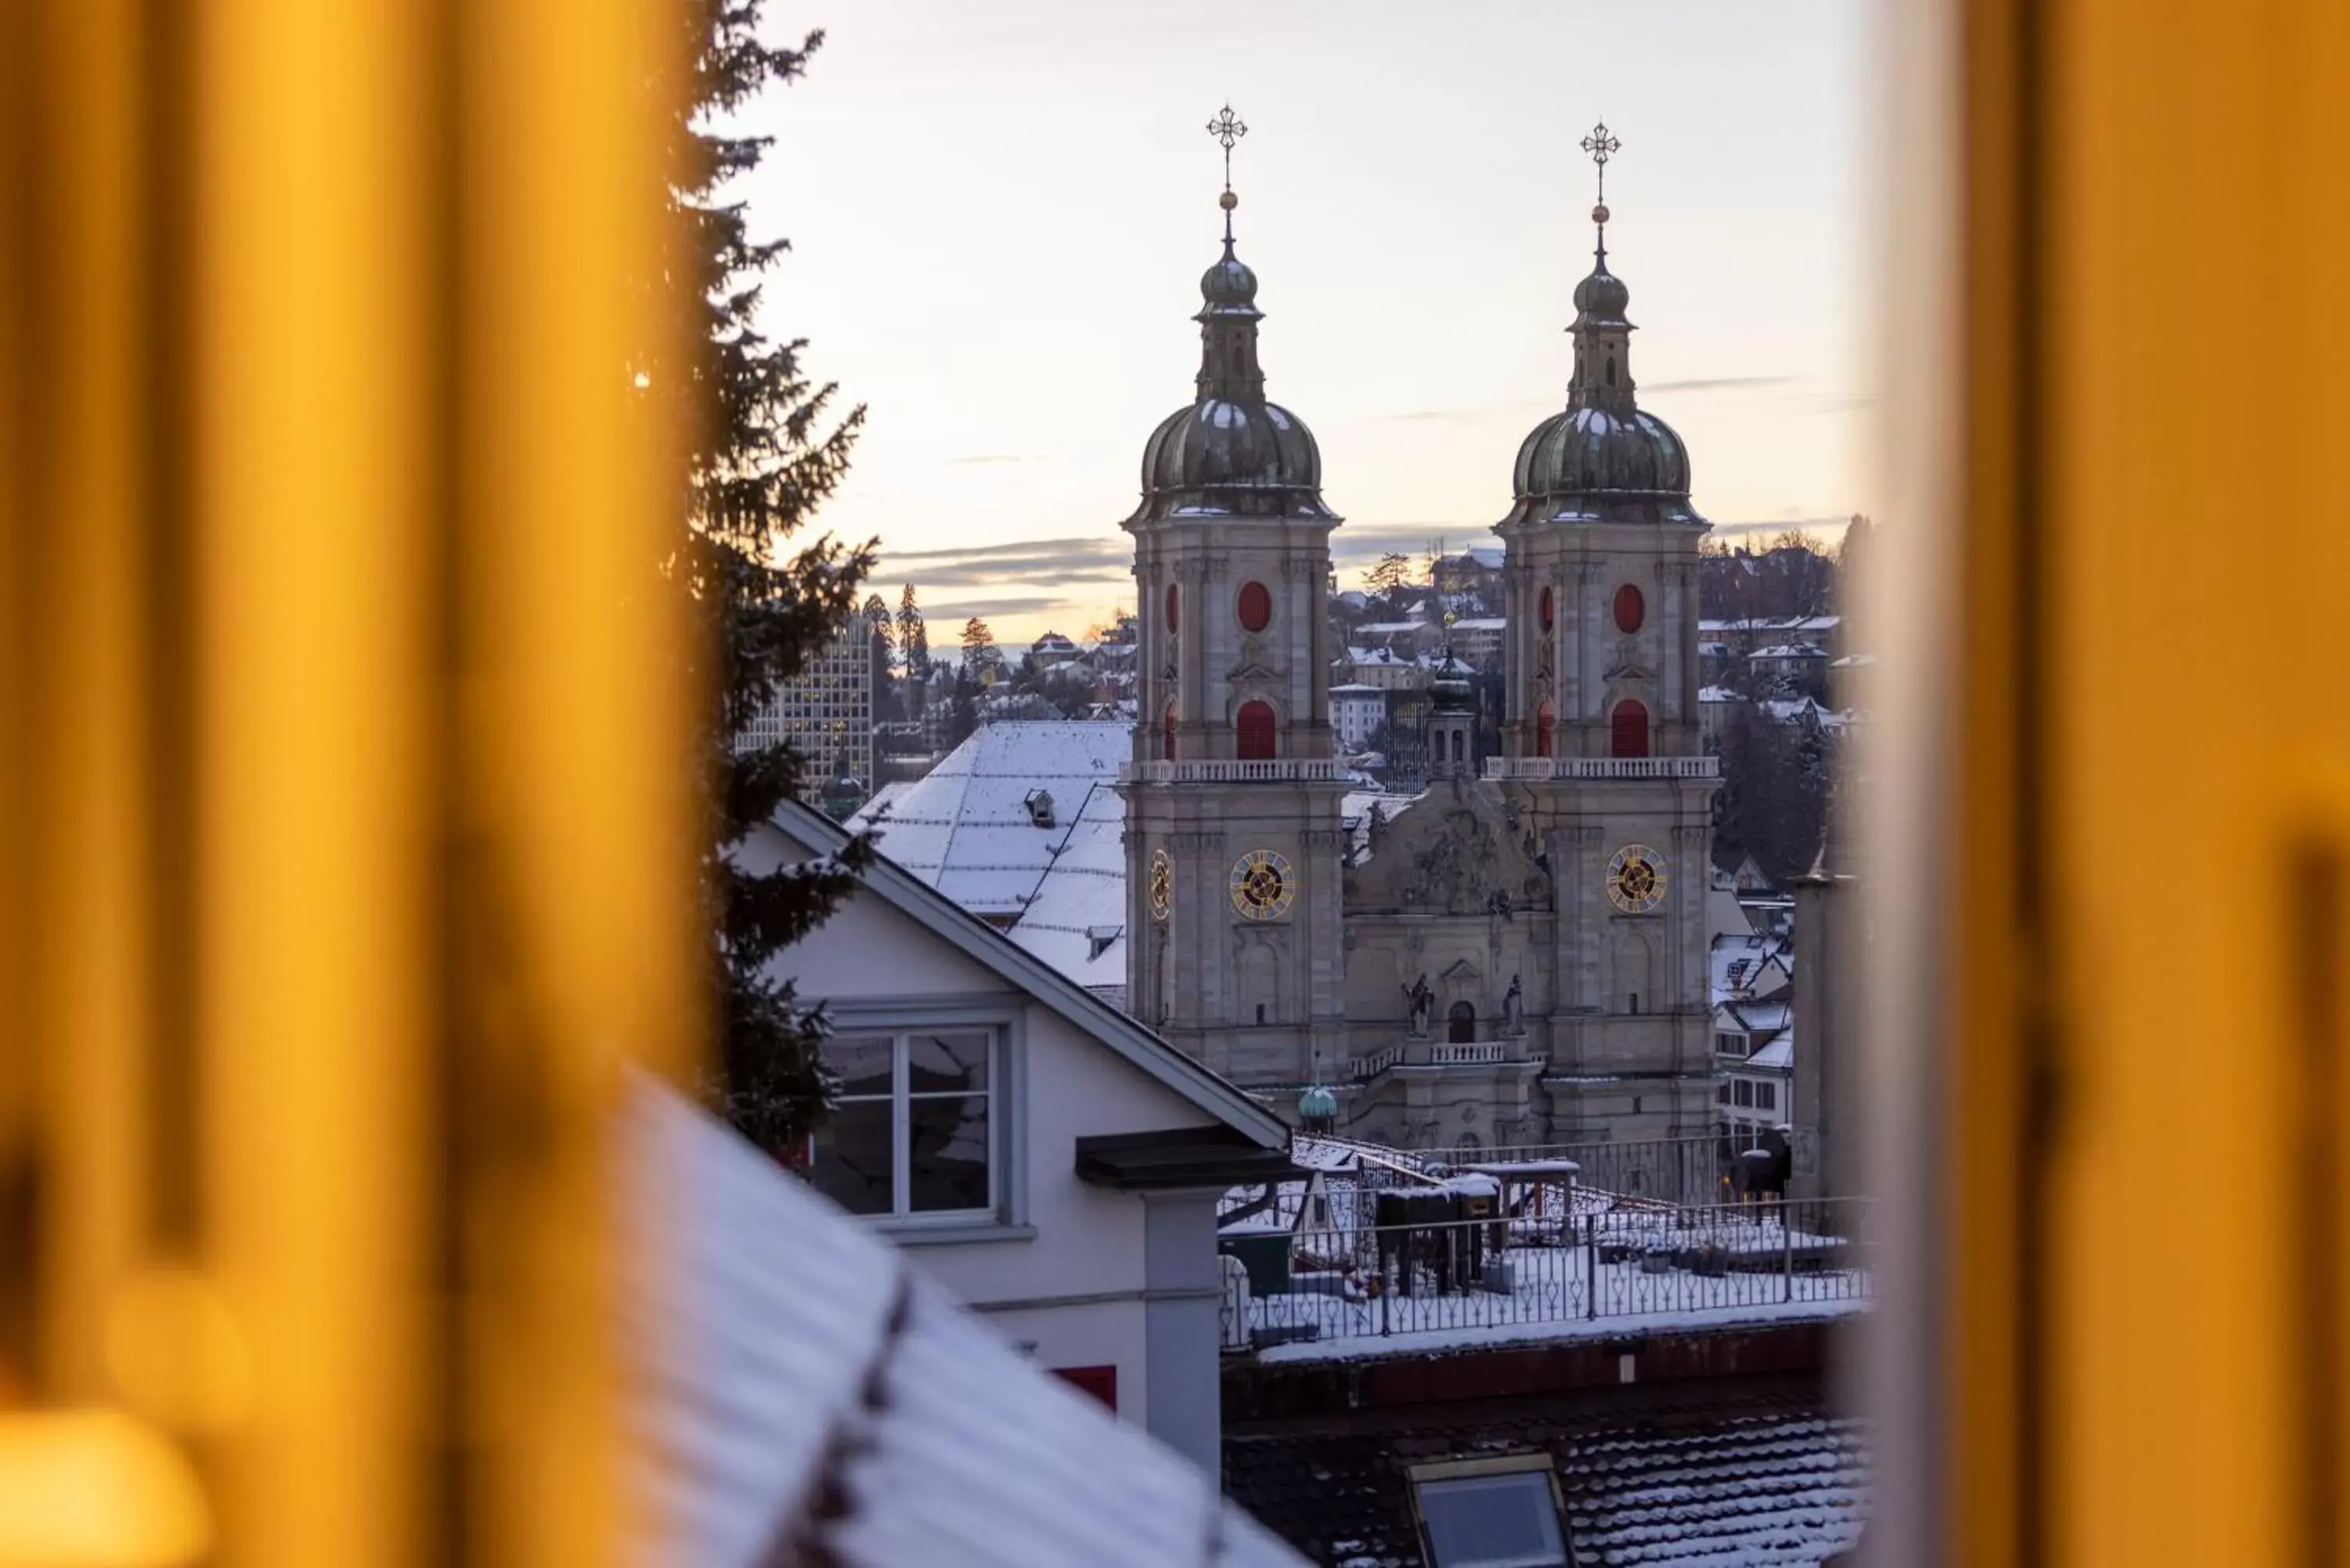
<point>999,212</point>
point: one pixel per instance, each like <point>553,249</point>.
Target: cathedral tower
<point>1600,736</point>
<point>1232,832</point>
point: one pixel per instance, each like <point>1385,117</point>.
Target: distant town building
<point>1052,648</point>
<point>825,715</point>
<point>1356,711</point>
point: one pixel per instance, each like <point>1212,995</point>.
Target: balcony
<point>1269,770</point>
<point>1528,768</point>
<point>1410,1052</point>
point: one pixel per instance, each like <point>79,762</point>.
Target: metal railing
<point>1449,1282</point>
<point>1268,770</point>
<point>1677,1171</point>
<point>1603,767</point>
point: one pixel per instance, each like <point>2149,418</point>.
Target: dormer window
<point>1040,807</point>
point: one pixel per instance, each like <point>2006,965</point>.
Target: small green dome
<point>1317,1104</point>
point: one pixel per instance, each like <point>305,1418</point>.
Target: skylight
<point>1490,1513</point>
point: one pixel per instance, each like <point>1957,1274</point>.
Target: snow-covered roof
<point>1357,689</point>
<point>1791,651</point>
<point>1076,918</point>
<point>1751,963</point>
<point>1081,1005</point>
<point>964,828</point>
<point>1481,623</point>
<point>1716,694</point>
<point>756,1399</point>
<point>1764,1016</point>
<point>1779,1056</point>
<point>1390,627</point>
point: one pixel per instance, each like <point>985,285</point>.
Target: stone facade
<point>1519,955</point>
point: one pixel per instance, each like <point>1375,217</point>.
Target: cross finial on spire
<point>1602,145</point>
<point>1227,128</point>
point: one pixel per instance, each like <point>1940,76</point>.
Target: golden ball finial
<point>1599,213</point>
<point>1228,201</point>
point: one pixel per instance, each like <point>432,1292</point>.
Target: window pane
<point>862,1061</point>
<point>947,1168</point>
<point>851,1161</point>
<point>953,1063</point>
<point>1493,1521</point>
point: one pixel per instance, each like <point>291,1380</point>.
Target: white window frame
<point>1007,1216</point>
<point>1739,1046</point>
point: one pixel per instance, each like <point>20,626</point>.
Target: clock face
<point>1263,886</point>
<point>1162,885</point>
<point>1635,879</point>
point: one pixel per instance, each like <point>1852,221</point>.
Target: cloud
<point>1716,383</point>
<point>1368,540</point>
<point>1030,563</point>
<point>945,610</point>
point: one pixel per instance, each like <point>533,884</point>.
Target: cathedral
<point>1519,954</point>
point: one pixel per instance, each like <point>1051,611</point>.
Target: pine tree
<point>882,644</point>
<point>980,653</point>
<point>1392,574</point>
<point>914,643</point>
<point>770,448</point>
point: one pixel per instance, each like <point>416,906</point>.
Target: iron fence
<point>1454,1281</point>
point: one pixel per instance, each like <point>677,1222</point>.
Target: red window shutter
<point>1255,606</point>
<point>1101,1382</point>
<point>1255,732</point>
<point>1631,609</point>
<point>1545,717</point>
<point>1628,729</point>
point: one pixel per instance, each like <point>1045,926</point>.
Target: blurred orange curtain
<point>344,848</point>
<point>2112,803</point>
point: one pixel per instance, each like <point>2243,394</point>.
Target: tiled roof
<point>1741,1473</point>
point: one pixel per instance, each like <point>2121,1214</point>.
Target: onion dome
<point>1602,459</point>
<point>1452,684</point>
<point>1231,453</point>
<point>1317,1107</point>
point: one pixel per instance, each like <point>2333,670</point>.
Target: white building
<point>1357,710</point>
<point>1055,1164</point>
<point>825,715</point>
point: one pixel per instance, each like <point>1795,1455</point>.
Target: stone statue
<point>1423,1002</point>
<point>1513,1009</point>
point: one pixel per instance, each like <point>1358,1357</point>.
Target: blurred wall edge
<point>345,751</point>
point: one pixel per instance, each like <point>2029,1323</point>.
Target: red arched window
<point>1166,733</point>
<point>1545,717</point>
<point>1549,611</point>
<point>1255,728</point>
<point>1256,605</point>
<point>1173,605</point>
<point>1631,609</point>
<point>1628,729</point>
